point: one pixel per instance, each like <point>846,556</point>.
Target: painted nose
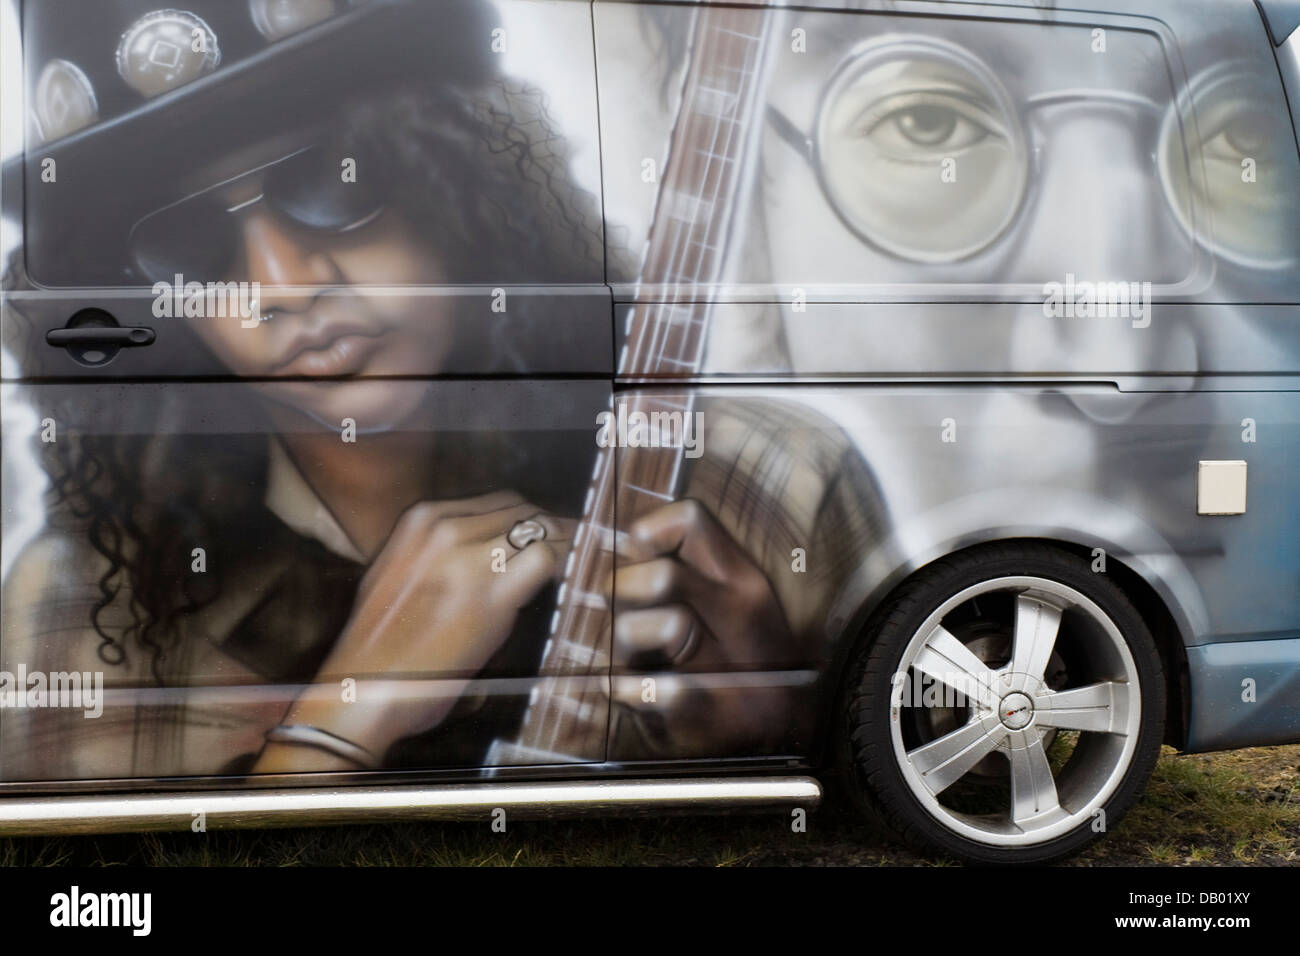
<point>1100,214</point>
<point>281,261</point>
<point>1099,209</point>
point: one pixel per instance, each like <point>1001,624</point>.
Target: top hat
<point>127,101</point>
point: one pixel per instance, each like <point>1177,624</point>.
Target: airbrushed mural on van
<point>423,394</point>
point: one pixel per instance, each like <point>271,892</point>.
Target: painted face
<point>969,161</point>
<point>970,152</point>
<point>347,325</point>
<point>974,153</point>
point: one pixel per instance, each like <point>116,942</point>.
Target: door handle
<point>93,338</point>
<point>90,337</point>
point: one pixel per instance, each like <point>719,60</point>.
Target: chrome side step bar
<point>319,806</point>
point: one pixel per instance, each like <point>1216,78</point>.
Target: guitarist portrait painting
<point>373,528</point>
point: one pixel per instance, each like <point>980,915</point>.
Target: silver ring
<point>525,533</point>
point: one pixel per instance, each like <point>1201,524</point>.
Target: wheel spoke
<point>950,662</point>
<point>944,761</point>
<point>1037,623</point>
<point>1100,708</point>
<point>1033,790</point>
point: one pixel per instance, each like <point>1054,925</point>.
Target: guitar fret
<point>647,491</point>
<point>713,101</point>
<point>712,155</point>
<point>717,124</point>
<point>575,652</point>
<point>580,709</point>
<point>681,277</point>
<point>687,207</point>
<point>587,658</point>
<point>608,536</point>
<point>584,598</point>
<point>682,315</point>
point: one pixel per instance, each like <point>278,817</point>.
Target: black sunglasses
<point>200,237</point>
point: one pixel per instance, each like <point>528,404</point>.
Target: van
<point>551,407</point>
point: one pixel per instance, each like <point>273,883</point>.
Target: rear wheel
<point>1008,707</point>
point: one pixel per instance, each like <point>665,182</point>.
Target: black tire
<point>877,765</point>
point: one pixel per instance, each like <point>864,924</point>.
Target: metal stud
<point>166,49</point>
<point>276,19</point>
<point>64,102</point>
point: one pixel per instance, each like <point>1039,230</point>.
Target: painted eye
<point>1229,176</point>
<point>306,189</point>
<point>919,149</point>
<point>924,123</point>
<point>1245,135</point>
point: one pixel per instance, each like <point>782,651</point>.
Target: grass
<point>1234,808</point>
<point>1230,808</point>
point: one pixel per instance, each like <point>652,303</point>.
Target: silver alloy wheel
<point>1010,710</point>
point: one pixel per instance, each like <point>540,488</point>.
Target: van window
<point>923,157</point>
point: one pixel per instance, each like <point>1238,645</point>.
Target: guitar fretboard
<point>694,215</point>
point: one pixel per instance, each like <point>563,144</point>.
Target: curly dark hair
<point>144,495</point>
<point>432,142</point>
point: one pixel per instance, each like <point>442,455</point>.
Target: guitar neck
<point>665,334</point>
<point>698,206</point>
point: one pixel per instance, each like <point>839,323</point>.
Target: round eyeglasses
<point>923,154</point>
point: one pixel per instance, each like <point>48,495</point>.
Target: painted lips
<point>344,355</point>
